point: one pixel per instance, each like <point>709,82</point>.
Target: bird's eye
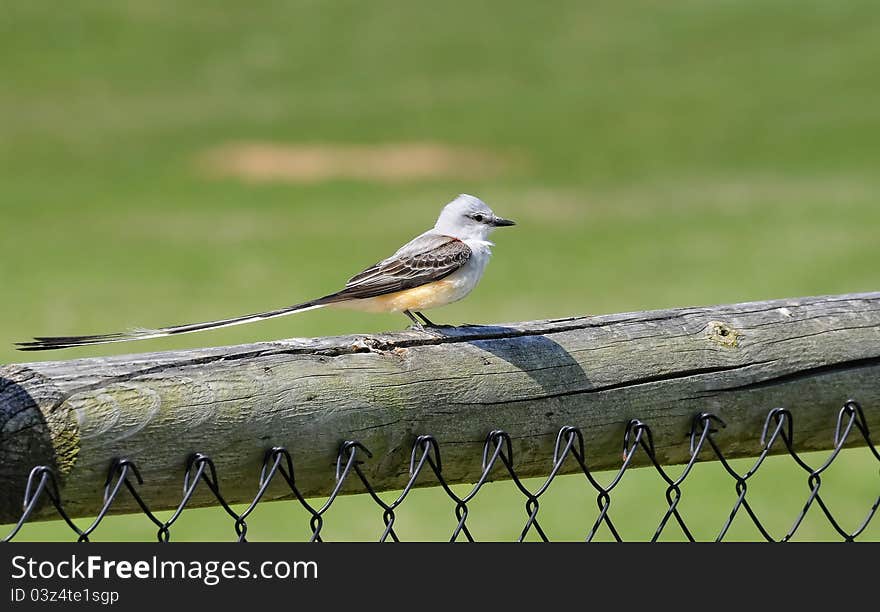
<point>478,218</point>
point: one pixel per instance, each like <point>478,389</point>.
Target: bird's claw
<point>433,330</point>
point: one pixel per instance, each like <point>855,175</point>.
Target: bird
<point>437,267</point>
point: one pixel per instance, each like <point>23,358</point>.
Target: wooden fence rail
<point>738,361</point>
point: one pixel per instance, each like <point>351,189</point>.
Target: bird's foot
<point>433,330</point>
<point>425,325</point>
<point>429,323</point>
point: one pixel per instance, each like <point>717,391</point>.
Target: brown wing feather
<point>405,272</point>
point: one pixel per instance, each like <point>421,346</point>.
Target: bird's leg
<point>427,321</point>
<point>416,323</point>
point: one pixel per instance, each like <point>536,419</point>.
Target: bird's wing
<point>428,258</point>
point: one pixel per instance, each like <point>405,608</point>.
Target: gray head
<point>467,217</point>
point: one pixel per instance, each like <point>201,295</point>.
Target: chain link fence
<point>497,462</point>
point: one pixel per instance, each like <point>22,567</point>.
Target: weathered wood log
<point>738,361</point>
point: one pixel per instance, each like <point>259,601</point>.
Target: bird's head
<point>467,217</point>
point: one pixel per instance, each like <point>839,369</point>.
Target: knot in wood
<point>723,334</point>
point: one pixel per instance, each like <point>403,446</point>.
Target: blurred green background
<point>679,153</point>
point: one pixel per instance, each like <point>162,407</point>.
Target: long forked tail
<point>60,342</point>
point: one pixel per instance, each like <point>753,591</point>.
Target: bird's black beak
<point>499,222</point>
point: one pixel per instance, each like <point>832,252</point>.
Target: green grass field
<point>682,155</point>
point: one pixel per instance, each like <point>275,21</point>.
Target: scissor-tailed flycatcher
<point>439,267</point>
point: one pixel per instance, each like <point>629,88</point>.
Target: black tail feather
<point>50,343</point>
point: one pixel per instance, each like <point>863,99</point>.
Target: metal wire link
<point>497,461</point>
